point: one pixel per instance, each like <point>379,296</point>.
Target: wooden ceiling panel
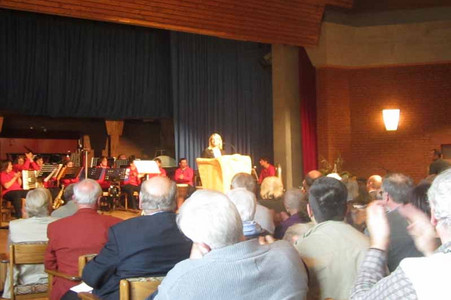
<point>292,22</point>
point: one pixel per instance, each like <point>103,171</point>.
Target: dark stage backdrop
<point>63,67</point>
<point>221,86</point>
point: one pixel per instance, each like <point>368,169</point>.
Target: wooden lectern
<point>217,173</point>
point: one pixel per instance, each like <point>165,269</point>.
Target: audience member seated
<point>263,215</point>
<point>351,185</point>
<point>149,245</point>
<point>438,164</point>
<point>396,191</point>
<point>33,228</point>
<point>295,231</point>
<point>309,179</point>
<point>332,249</point>
<point>184,174</point>
<point>12,186</point>
<point>267,169</point>
<point>419,197</point>
<point>222,265</point>
<point>70,207</point>
<point>245,203</point>
<point>373,186</point>
<point>271,194</point>
<point>296,206</point>
<point>363,197</point>
<point>83,233</point>
<point>132,183</point>
<point>418,277</point>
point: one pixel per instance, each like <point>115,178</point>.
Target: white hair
<point>210,217</point>
<point>271,188</point>
<point>245,203</point>
<point>37,202</point>
<point>87,191</point>
<point>439,195</point>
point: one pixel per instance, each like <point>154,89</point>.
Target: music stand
<point>115,174</point>
<point>95,173</point>
<point>147,167</point>
<point>70,173</point>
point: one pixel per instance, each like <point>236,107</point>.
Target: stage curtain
<point>307,85</point>
<point>221,86</point>
<point>63,67</point>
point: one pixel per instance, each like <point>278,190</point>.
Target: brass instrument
<point>58,200</point>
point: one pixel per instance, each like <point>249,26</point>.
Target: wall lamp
<point>391,119</point>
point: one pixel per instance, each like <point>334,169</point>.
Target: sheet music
<point>147,167</point>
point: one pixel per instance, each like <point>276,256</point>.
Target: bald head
<point>87,192</point>
<point>157,194</point>
<point>310,178</point>
<point>374,183</point>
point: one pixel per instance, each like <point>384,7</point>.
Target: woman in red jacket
<point>12,186</point>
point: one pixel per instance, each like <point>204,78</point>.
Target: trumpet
<point>58,200</point>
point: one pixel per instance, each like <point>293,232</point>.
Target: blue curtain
<point>220,86</point>
<point>63,67</point>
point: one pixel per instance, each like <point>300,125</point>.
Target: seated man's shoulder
<point>328,236</point>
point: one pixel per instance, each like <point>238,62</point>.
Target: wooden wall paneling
<point>272,21</point>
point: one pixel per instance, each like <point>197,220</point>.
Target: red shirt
<point>30,165</point>
<point>133,178</point>
<point>103,183</point>
<point>6,177</point>
<point>270,171</point>
<point>187,173</point>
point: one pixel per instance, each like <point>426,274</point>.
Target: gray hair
<point>210,217</point>
<point>440,198</point>
<point>398,186</point>
<point>245,203</point>
<point>87,192</point>
<point>271,188</point>
<point>37,202</point>
<point>158,193</point>
<point>244,180</point>
<point>295,199</point>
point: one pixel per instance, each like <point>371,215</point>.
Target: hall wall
<point>350,103</point>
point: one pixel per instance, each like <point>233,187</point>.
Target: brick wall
<point>350,103</point>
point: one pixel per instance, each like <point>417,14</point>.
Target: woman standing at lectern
<point>214,148</point>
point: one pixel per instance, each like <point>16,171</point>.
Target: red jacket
<point>85,232</point>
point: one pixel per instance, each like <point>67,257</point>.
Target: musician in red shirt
<point>103,164</point>
<point>267,169</point>
<point>12,186</point>
<point>132,183</point>
<point>67,181</point>
<point>20,162</point>
<point>162,171</point>
<point>184,174</point>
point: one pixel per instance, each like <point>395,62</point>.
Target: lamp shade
<point>391,119</point>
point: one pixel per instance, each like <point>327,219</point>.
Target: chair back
<point>138,288</point>
<point>83,260</point>
<point>26,253</point>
